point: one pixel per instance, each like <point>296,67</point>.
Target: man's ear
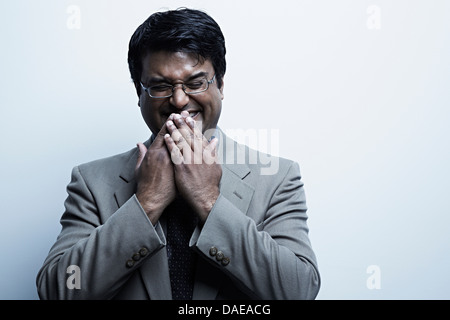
<point>138,92</point>
<point>221,88</point>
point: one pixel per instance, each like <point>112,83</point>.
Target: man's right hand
<point>155,177</point>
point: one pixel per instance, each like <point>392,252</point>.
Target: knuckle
<point>180,140</point>
<point>198,136</point>
<point>160,157</point>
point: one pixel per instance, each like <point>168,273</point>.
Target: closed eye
<point>161,87</point>
<point>195,85</point>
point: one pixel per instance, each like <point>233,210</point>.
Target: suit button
<point>212,251</point>
<point>136,257</point>
<point>130,263</point>
<point>225,261</point>
<point>219,255</point>
<point>143,252</point>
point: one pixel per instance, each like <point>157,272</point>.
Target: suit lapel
<point>232,184</point>
<point>127,185</point>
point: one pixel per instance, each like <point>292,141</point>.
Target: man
<point>174,218</point>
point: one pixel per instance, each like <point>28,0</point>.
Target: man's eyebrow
<point>200,74</point>
<point>157,79</point>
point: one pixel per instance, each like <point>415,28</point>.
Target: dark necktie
<point>181,222</point>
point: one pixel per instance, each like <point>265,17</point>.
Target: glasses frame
<point>147,89</point>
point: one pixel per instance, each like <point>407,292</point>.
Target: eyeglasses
<point>165,90</point>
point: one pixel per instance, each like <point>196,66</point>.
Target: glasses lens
<point>162,90</point>
<point>196,86</point>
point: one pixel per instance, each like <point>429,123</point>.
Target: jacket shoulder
<point>109,167</point>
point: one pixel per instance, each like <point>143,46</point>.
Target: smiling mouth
<point>194,114</point>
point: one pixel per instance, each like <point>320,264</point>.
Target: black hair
<point>181,30</point>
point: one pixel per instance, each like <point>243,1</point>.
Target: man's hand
<point>197,173</point>
<point>155,177</point>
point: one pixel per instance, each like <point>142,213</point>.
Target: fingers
<point>157,143</point>
<point>184,139</point>
<point>175,153</point>
<point>142,149</point>
<point>159,139</point>
<point>177,135</point>
<point>208,155</point>
<point>181,133</point>
<point>186,132</point>
<point>196,127</point>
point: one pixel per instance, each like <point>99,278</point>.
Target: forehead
<point>173,66</point>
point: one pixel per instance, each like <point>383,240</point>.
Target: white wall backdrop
<point>363,104</point>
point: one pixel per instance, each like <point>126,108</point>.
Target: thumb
<point>142,151</point>
<point>159,139</point>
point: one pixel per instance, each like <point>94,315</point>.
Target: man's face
<point>173,68</point>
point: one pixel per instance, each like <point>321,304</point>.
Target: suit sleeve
<point>101,253</point>
<point>273,260</point>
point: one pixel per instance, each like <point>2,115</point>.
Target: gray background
<point>361,101</point>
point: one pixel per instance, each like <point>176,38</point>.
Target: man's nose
<point>179,98</point>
